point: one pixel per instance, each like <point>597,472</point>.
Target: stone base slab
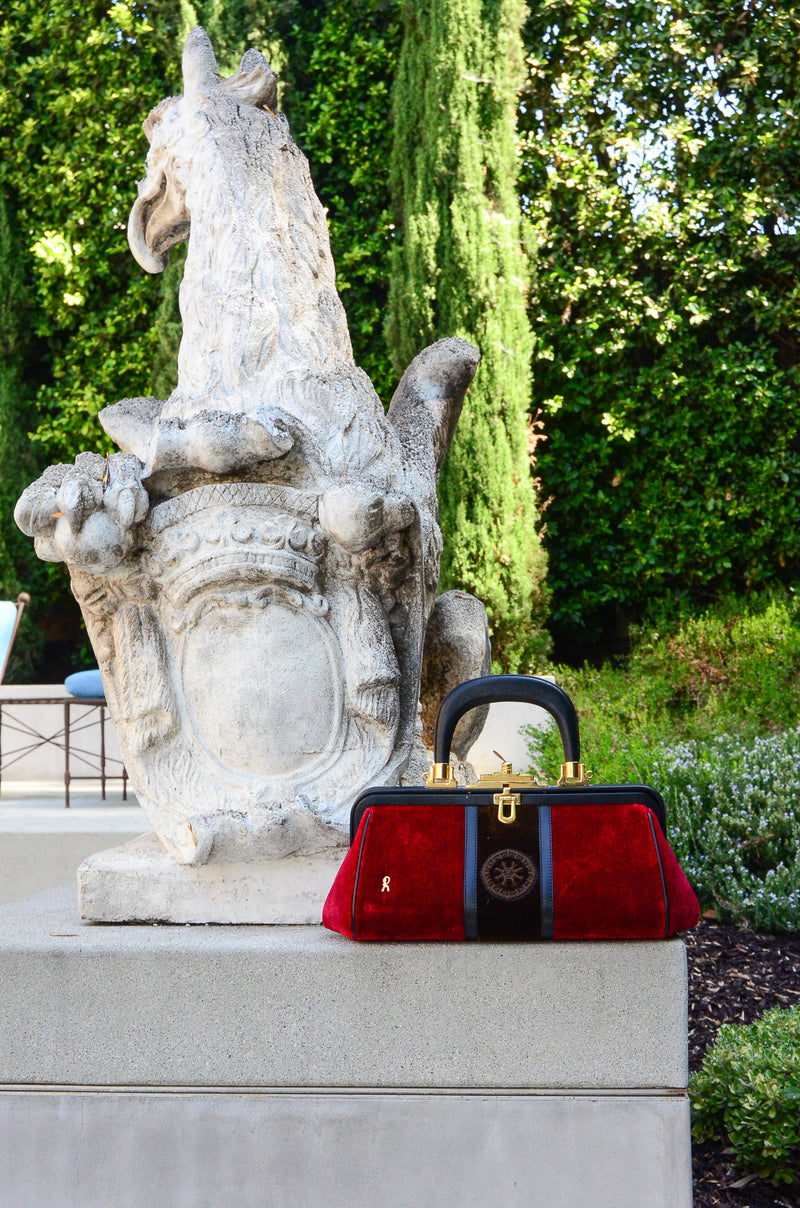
<point>132,1149</point>
<point>139,882</point>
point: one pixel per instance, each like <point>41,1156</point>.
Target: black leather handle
<point>491,689</point>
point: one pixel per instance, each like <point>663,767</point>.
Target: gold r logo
<point>385,886</point>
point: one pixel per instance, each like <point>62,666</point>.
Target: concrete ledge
<point>89,1004</point>
<point>352,1150</point>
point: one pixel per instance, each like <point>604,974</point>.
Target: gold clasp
<point>506,803</point>
<point>505,780</point>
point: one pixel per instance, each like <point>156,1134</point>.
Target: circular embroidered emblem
<point>508,875</point>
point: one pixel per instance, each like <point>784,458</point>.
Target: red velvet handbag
<point>507,858</point>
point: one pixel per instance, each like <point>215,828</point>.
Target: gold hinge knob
<point>441,776</point>
<point>573,773</point>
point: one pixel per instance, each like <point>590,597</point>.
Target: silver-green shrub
<point>734,823</point>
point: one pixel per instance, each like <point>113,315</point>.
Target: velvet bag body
<point>506,858</point>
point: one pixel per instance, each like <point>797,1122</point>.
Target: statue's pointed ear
<point>256,84</point>
<point>199,64</point>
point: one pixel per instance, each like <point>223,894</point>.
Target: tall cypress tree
<point>459,269</point>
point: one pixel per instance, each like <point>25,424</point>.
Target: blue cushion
<point>84,683</point>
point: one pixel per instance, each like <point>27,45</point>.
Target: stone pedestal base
<point>286,1066</point>
<point>139,883</point>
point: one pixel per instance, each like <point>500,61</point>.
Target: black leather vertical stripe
<point>508,915</point>
<point>358,872</point>
<point>546,871</point>
<point>470,872</point>
<point>661,870</point>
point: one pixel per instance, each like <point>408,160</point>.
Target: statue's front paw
<point>85,514</point>
<point>359,518</point>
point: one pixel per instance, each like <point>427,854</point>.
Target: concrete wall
<point>285,1067</point>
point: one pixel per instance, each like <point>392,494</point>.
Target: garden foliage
<point>74,85</point>
<point>459,270</point>
<point>16,457</point>
<point>734,824</point>
<point>656,164</point>
<point>748,1093</point>
<point>340,64</point>
<point>660,176</point>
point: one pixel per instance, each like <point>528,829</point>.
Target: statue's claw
<point>125,498</point>
<point>85,514</point>
<point>427,402</point>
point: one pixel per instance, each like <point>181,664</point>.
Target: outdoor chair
<point>10,617</point>
<point>83,710</point>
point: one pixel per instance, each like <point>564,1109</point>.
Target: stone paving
<point>42,843</point>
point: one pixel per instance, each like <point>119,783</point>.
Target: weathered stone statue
<point>258,567</point>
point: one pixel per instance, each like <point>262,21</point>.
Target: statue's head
<point>160,219</point>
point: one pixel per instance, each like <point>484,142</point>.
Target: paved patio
<point>42,843</point>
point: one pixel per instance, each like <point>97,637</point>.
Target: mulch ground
<point>734,977</point>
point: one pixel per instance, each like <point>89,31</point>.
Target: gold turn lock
<point>506,803</point>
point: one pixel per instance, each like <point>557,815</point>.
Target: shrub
<point>735,669</point>
<point>748,1090</point>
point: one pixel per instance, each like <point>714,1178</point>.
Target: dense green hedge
<point>661,180</point>
<point>340,64</point>
<point>74,86</point>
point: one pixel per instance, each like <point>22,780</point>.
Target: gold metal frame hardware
<point>573,773</point>
<point>509,779</point>
<point>441,776</point>
<point>506,780</point>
